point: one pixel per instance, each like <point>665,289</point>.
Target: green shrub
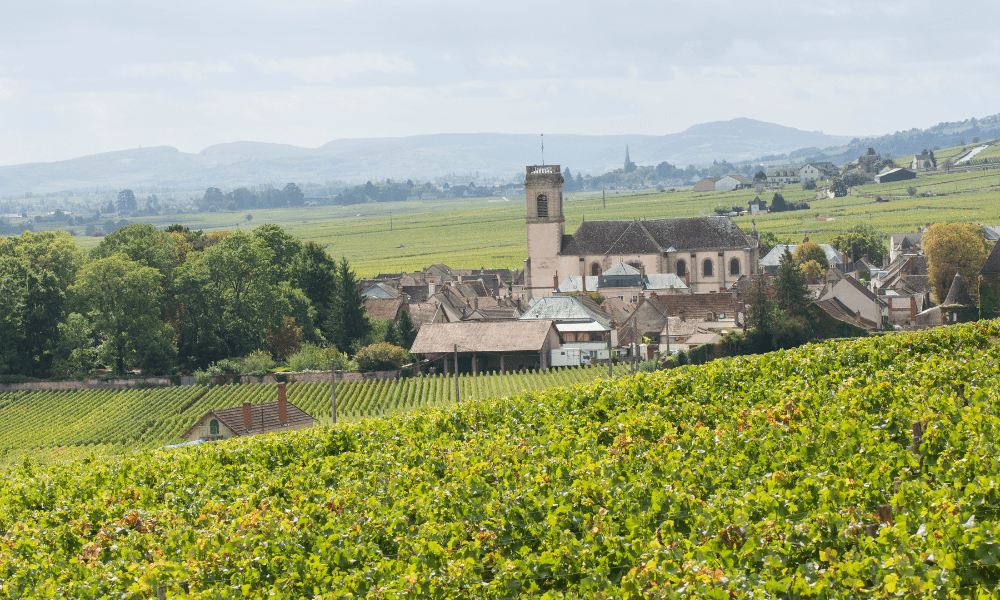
<point>257,363</point>
<point>381,357</point>
<point>315,358</point>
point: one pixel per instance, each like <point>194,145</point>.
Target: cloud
<point>190,71</point>
<point>507,61</point>
<point>326,69</point>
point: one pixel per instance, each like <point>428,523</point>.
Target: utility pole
<point>611,368</point>
<point>456,375</point>
<point>333,390</point>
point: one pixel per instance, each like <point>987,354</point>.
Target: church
<point>708,253</point>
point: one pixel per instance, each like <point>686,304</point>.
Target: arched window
<point>734,266</point>
<point>543,205</point>
<point>213,427</point>
<point>706,267</point>
<point>682,268</point>
<point>595,269</point>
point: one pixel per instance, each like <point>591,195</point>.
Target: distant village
<point>644,287</point>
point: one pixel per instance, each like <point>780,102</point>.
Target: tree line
<point>161,300</point>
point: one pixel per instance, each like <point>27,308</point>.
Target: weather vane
<point>543,149</point>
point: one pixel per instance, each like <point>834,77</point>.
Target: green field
<point>859,469</point>
<point>51,426</point>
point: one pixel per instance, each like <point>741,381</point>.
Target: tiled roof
<point>482,336</point>
<point>840,311</point>
<point>380,290</point>
<point>992,264</point>
<point>422,313</point>
<point>263,417</point>
<point>664,281</point>
<point>383,308</point>
<point>912,238</point>
<point>958,295</point>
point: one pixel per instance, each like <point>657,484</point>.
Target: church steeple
<point>629,165</point>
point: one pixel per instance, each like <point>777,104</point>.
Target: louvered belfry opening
<point>543,206</point>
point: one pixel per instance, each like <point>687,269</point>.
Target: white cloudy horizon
<point>84,78</point>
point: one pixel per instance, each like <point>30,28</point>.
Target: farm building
<point>487,345</point>
<point>733,181</point>
<point>706,185</point>
<point>898,174</point>
<point>250,419</point>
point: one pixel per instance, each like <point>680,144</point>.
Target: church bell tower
<point>546,226</point>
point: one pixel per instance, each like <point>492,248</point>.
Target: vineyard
<point>858,469</point>
<point>69,424</point>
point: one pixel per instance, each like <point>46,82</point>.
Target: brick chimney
<point>583,278</point>
<point>555,281</point>
<point>282,404</point>
<point>912,266</point>
<point>247,419</point>
<point>687,278</point>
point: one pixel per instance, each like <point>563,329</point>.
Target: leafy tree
<point>121,298</point>
<point>348,321</point>
<point>760,177</point>
<point>789,286</point>
<point>861,240</point>
<point>811,252</point>
<point>293,194</point>
<point>213,198</point>
<point>75,355</point>
<point>284,246</point>
<point>200,315</point>
<point>856,178</point>
<point>315,273</point>
<point>952,248</point>
<point>778,203</point>
<point>839,188</point>
<point>142,243</point>
<point>126,202</point>
<point>285,340</point>
<point>769,240</point>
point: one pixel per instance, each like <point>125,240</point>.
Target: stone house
<point>860,300</point>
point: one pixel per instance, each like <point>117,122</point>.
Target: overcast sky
<point>80,78</point>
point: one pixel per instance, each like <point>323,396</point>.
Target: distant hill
<point>424,156</point>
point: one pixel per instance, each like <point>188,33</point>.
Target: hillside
<point>426,156</point>
<point>855,469</point>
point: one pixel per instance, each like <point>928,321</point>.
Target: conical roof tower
<point>958,295</point>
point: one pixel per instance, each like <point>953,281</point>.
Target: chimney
<point>476,302</point>
<point>247,419</point>
<point>282,404</point>
<point>583,278</point>
<point>687,278</point>
<point>843,259</point>
<point>555,281</point>
<point>913,265</point>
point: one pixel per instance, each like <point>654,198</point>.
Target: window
<point>681,268</point>
<point>734,266</point>
<point>706,267</point>
<point>595,269</point>
<point>543,205</point>
<point>635,264</point>
<point>213,427</point>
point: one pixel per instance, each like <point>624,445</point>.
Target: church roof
<point>655,236</point>
<point>622,269</point>
<point>958,295</point>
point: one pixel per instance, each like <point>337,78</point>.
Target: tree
<point>861,240</point>
<point>142,243</point>
<point>778,203</point>
<point>789,286</point>
<point>315,273</point>
<point>760,177</point>
<point>769,240</point>
<point>811,252</point>
<point>293,195</point>
<point>284,246</point>
<point>75,354</point>
<point>348,319</point>
<point>952,248</point>
<point>213,198</point>
<point>856,178</point>
<point>839,188</point>
<point>121,298</point>
<point>126,202</point>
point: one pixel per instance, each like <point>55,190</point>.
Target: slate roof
<point>958,295</point>
<point>992,264</point>
<point>482,336</point>
<point>380,290</point>
<point>621,269</point>
<point>566,308</point>
<point>422,313</point>
<point>575,284</point>
<point>664,281</point>
<point>913,239</point>
<point>655,236</point>
<point>773,258</point>
<point>263,416</point>
<point>840,311</point>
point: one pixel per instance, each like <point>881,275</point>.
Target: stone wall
<point>89,384</point>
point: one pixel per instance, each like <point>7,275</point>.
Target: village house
<point>989,285</point>
<point>859,300</point>
<point>733,181</point>
<point>958,307</point>
<point>250,419</point>
<point>624,282</point>
<point>706,185</point>
<point>772,260</point>
<point>779,175</point>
